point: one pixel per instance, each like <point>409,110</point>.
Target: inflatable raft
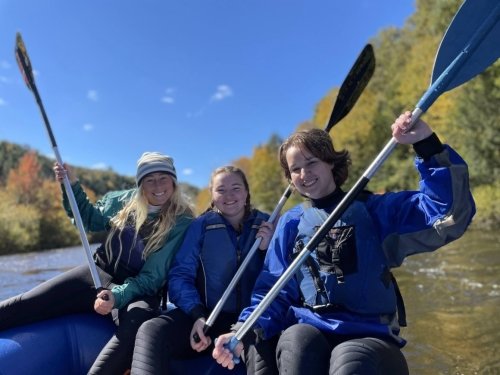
<point>70,344</point>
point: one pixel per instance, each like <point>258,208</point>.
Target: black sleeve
<point>428,147</point>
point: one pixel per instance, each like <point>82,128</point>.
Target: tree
<point>25,179</point>
<point>19,225</point>
<point>265,177</point>
<point>56,229</point>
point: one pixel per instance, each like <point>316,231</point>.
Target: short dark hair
<point>319,143</point>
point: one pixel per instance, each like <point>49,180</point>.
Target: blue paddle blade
<point>474,31</point>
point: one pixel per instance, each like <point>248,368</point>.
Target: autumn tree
<point>266,177</point>
<point>25,181</point>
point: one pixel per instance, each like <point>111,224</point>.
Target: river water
<point>452,301</point>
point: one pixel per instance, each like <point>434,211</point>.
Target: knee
<point>303,335</point>
<point>301,339</point>
<point>134,317</point>
<point>367,356</point>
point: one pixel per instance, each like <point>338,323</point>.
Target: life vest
<point>128,249</point>
<point>222,252</point>
<point>347,272</point>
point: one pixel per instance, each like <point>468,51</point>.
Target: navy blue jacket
<point>207,261</point>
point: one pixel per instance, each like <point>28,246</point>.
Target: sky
<point>204,81</point>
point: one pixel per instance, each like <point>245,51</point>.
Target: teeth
<point>159,194</point>
<point>308,183</point>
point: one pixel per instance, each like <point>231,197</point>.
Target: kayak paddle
<point>26,69</point>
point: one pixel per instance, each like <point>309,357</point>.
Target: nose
<point>303,172</point>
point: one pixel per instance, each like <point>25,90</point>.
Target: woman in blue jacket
<point>145,226</point>
<point>338,314</point>
<point>216,243</point>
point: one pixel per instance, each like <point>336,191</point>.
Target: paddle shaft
<point>23,61</point>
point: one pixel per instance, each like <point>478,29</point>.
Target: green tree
<point>19,225</point>
<point>56,229</point>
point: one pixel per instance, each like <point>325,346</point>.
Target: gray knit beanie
<point>151,162</point>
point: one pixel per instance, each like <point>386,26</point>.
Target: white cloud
<point>2,102</point>
<point>100,166</point>
<point>88,127</point>
<point>169,97</point>
<point>187,171</point>
<point>5,64</point>
<point>222,92</point>
<point>92,95</point>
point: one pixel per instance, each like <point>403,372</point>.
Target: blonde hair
<point>136,212</point>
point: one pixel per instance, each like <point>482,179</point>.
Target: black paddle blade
<point>475,31</point>
<point>24,62</point>
<point>353,85</point>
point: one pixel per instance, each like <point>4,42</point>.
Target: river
<point>452,301</point>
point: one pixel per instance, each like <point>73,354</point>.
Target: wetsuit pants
<point>73,292</point>
<point>303,349</point>
<point>167,337</point>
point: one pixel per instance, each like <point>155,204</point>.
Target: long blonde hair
<point>136,212</point>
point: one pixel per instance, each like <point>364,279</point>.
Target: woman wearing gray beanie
<point>145,227</point>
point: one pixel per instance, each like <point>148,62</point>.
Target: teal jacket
<point>153,275</point>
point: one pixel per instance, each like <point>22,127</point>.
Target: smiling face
<point>229,196</point>
<point>311,176</point>
<point>158,187</point>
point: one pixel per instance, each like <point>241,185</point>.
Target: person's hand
<point>104,302</point>
<point>403,134</point>
<point>61,170</point>
<point>265,231</point>
<point>224,356</point>
<point>205,341</point>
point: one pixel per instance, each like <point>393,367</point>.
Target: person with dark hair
<point>145,227</point>
<point>339,313</point>
<point>215,245</point>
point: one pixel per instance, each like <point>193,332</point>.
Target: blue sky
<point>204,81</point>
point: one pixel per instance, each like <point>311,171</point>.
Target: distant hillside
<point>100,181</point>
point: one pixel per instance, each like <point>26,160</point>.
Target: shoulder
<point>294,212</point>
<point>209,217</point>
<point>258,214</point>
<point>184,220</point>
<point>290,219</point>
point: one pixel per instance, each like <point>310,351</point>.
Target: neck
<point>329,200</point>
<point>235,221</point>
<point>153,209</point>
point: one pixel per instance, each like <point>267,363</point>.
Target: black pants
<point>74,292</point>
<point>167,337</point>
<point>303,349</point>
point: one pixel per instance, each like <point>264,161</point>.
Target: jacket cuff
<point>198,312</point>
<point>428,147</point>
